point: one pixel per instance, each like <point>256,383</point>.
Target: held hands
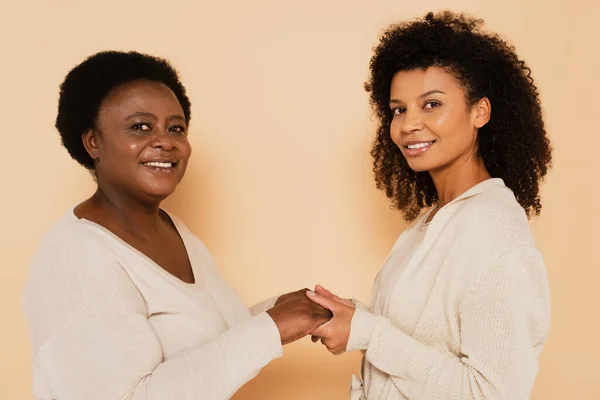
<point>321,314</point>
<point>297,316</point>
<point>335,333</point>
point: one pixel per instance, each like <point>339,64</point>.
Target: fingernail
<point>310,293</point>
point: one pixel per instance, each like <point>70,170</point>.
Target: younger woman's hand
<point>335,333</point>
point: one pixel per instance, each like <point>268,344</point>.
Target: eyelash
<point>180,127</point>
<point>139,127</point>
<point>437,103</point>
<point>434,104</point>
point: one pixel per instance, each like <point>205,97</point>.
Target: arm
<point>117,356</point>
<point>504,322</point>
<point>92,339</point>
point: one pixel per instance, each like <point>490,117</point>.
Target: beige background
<point>280,185</point>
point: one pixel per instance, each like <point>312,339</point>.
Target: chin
<point>159,192</point>
<point>420,166</point>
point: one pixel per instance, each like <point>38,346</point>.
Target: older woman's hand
<point>297,316</point>
<point>299,294</point>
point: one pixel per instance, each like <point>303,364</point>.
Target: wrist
<point>362,326</point>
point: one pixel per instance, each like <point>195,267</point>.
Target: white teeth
<point>419,145</point>
<point>159,164</point>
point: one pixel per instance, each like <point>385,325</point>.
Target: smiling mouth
<point>160,165</point>
<point>421,145</point>
<point>416,149</point>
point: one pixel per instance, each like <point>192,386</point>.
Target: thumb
<point>323,301</point>
<point>326,293</point>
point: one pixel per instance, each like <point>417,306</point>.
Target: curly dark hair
<point>89,83</point>
<point>513,144</point>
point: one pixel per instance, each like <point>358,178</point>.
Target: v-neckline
<point>195,272</point>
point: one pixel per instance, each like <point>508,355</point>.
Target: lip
<point>416,152</point>
<point>158,169</point>
<point>161,160</point>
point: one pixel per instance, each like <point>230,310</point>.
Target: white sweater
<point>470,311</point>
<point>107,323</point>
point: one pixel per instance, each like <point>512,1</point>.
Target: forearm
<point>121,359</point>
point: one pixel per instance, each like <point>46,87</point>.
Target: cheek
<point>450,126</point>
<point>441,124</point>
<point>135,147</point>
<point>125,151</point>
<point>186,149</point>
<point>395,131</point>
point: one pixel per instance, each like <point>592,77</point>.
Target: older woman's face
<point>140,141</point>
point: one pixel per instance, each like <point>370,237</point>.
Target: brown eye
<point>432,104</point>
<point>142,126</point>
<point>398,110</point>
<point>177,128</point>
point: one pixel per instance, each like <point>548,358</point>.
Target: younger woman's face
<point>432,124</point>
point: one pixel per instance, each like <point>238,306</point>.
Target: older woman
<point>122,300</point>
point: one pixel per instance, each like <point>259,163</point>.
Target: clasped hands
<point>318,313</point>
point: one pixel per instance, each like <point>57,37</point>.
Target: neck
<point>454,180</point>
<point>131,215</point>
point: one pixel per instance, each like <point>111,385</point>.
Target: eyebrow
<point>146,114</point>
<point>429,93</point>
<point>177,116</point>
<point>140,114</point>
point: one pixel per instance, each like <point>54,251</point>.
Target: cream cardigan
<point>107,323</point>
<point>485,311</point>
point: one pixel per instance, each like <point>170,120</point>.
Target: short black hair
<point>89,83</point>
<point>513,144</point>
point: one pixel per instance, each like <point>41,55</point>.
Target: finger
<point>329,304</point>
<point>319,312</point>
<point>326,293</point>
<point>330,347</point>
<point>322,331</point>
<point>337,352</point>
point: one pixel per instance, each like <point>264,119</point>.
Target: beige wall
<point>280,185</point>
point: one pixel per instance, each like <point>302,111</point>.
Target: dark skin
<point>140,150</point>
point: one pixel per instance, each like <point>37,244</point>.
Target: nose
<point>411,122</point>
<point>163,140</point>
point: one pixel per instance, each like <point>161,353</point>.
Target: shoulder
<point>493,204</point>
<point>74,272</point>
<point>70,241</point>
<point>495,216</point>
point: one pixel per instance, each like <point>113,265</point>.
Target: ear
<point>91,142</point>
<point>482,111</point>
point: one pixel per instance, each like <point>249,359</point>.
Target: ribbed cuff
<point>359,305</point>
<point>263,305</point>
<point>271,329</point>
<point>390,349</point>
<point>361,329</point>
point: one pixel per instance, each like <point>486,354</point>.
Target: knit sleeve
<point>504,322</point>
<point>263,305</point>
<point>92,339</point>
<point>359,306</point>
